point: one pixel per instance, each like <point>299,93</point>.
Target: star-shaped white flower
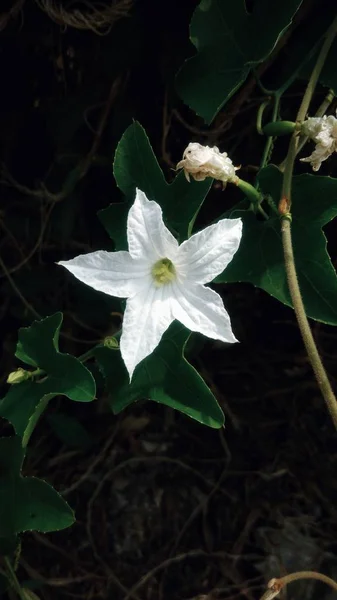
<point>161,279</point>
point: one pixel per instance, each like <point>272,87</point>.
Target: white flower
<point>162,280</point>
<point>204,161</point>
<point>323,131</point>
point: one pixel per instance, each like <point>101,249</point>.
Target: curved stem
<point>308,339</point>
<point>252,194</point>
<point>276,585</point>
<point>12,578</point>
<point>284,211</point>
<point>270,140</point>
<point>303,109</point>
<point>259,116</point>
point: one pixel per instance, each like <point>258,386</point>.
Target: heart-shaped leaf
<point>260,261</point>
<point>27,503</point>
<point>165,377</point>
<point>64,374</point>
<point>229,41</point>
<point>135,165</point>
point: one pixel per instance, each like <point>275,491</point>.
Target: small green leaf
<point>165,377</point>
<point>64,374</point>
<point>229,42</point>
<point>21,402</point>
<point>260,261</point>
<point>27,503</point>
<point>135,165</point>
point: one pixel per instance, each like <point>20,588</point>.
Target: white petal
<point>207,253</point>
<point>146,318</point>
<point>114,273</point>
<point>201,309</point>
<point>148,237</point>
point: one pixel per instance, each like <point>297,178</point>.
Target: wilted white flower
<point>204,161</point>
<point>323,131</point>
<point>161,279</point>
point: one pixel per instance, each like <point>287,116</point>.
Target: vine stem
<point>308,339</point>
<point>303,109</point>
<point>284,211</point>
<point>12,578</point>
<point>276,585</point>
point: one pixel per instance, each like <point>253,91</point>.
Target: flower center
<point>163,271</point>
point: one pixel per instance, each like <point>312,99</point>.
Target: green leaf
<point>165,377</point>
<point>298,56</point>
<point>259,259</point>
<point>65,375</point>
<point>229,42</point>
<point>135,165</point>
<point>27,503</point>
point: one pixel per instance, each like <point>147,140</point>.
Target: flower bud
<point>110,342</point>
<point>277,128</point>
<point>204,161</point>
<point>18,376</point>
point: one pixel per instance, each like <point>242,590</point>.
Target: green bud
<point>280,128</point>
<point>18,376</point>
<point>110,342</point>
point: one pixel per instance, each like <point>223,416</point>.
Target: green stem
<point>259,116</point>
<point>86,355</point>
<point>41,407</point>
<point>284,210</point>
<point>12,578</point>
<point>270,140</point>
<point>308,339</point>
<point>303,109</point>
<point>252,194</point>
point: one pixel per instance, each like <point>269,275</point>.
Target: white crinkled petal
<point>114,273</point>
<point>196,154</point>
<point>313,126</point>
<point>201,309</point>
<point>204,161</point>
<point>320,154</point>
<point>148,237</point>
<point>146,318</point>
<point>207,253</point>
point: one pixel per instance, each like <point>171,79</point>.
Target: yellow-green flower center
<point>163,271</point>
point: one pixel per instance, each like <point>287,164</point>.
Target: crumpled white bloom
<point>161,279</point>
<point>204,161</point>
<point>323,131</point>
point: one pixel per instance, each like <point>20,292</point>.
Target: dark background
<point>196,511</point>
